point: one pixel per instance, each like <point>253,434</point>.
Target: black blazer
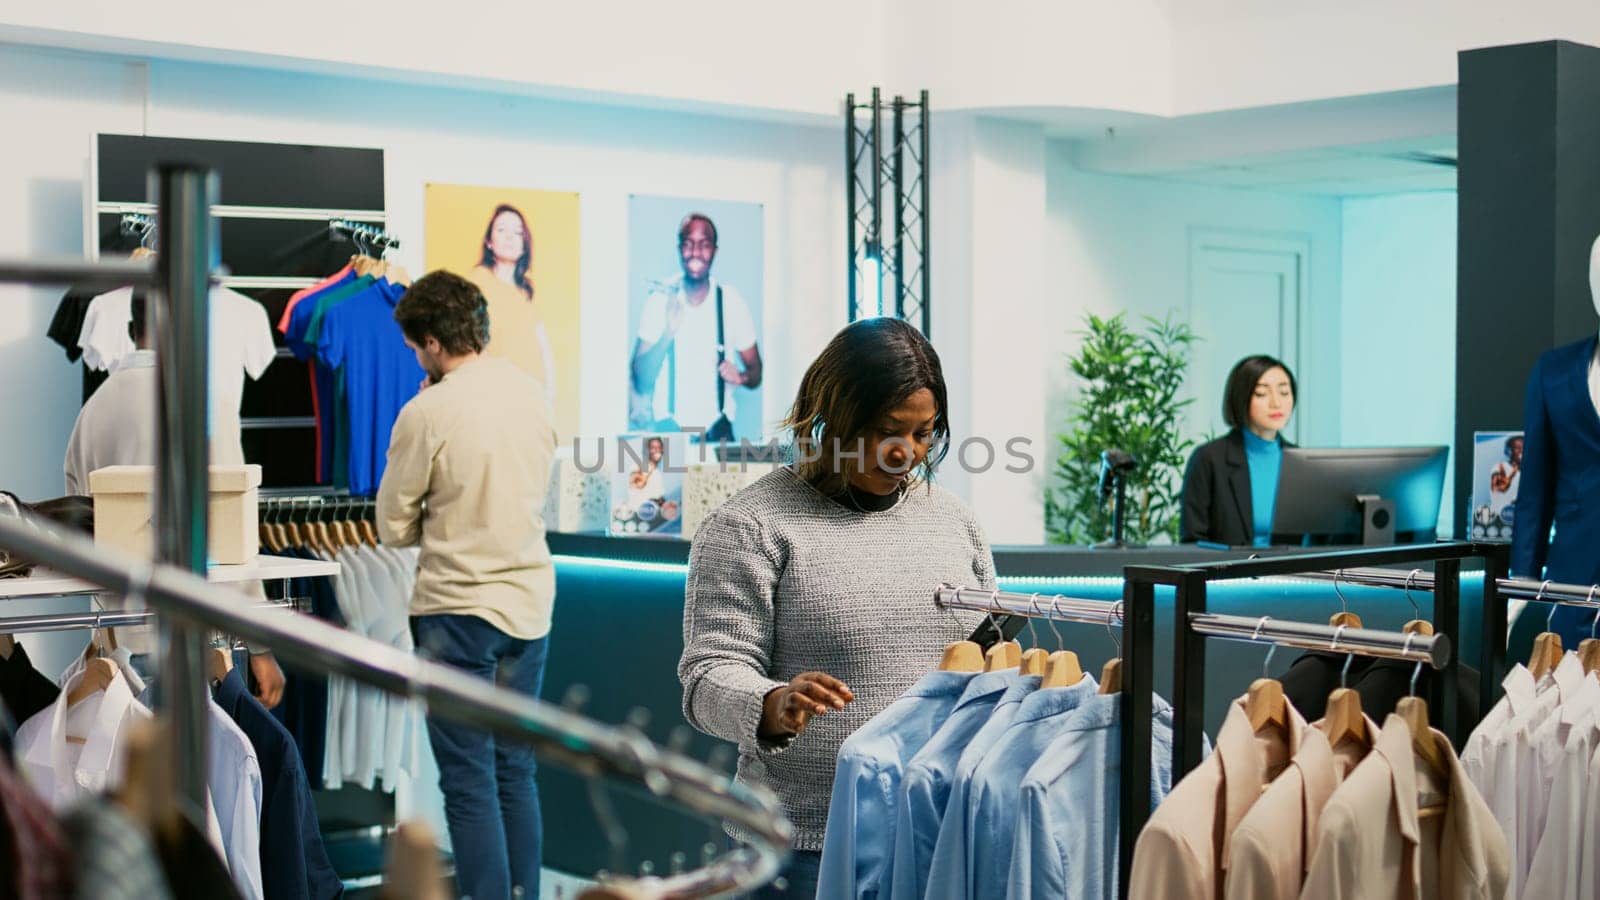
<point>1216,494</point>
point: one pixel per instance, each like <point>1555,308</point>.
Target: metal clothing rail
<point>97,619</point>
<point>121,273</point>
<point>1190,583</point>
<point>1432,649</point>
<point>1134,753</point>
<point>589,748</point>
<point>1137,618</point>
<point>1551,592</point>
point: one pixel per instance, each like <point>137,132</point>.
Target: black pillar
<point>1528,126</point>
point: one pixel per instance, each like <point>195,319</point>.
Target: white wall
<point>1231,54</point>
<point>53,103</point>
<point>1122,244</point>
<point>428,134</point>
<point>1118,244</point>
<point>1146,57</point>
<point>1397,382</point>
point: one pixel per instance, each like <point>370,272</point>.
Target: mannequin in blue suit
<point>1561,474</point>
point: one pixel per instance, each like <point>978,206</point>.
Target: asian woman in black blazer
<point>1231,486</point>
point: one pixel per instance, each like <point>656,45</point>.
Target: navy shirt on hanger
<point>294,862</point>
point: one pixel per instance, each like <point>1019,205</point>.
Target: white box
<point>711,484</point>
<point>123,510</point>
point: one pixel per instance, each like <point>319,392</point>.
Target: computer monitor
<point>1375,495</point>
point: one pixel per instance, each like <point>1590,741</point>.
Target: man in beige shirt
<point>469,461</point>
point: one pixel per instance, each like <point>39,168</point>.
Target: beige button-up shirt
<point>1270,852</point>
<point>1372,845</point>
<point>1184,849</point>
<point>469,464</point>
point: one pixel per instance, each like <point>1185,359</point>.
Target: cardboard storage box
<point>123,509</point>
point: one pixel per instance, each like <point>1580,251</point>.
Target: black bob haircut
<point>1242,385</point>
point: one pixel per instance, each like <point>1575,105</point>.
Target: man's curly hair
<point>448,308</point>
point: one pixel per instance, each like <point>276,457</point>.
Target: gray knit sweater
<point>783,580</point>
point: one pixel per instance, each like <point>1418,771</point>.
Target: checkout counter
<point>617,636</point>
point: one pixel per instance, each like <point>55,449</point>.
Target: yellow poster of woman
<point>520,247</point>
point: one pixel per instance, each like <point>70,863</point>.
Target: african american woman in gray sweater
<point>809,600</point>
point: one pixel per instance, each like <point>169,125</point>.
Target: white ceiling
<point>1398,142</point>
<point>1392,167</point>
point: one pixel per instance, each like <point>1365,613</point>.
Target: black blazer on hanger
<point>1216,494</point>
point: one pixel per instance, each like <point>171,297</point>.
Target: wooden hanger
<point>147,791</point>
<point>1344,617</point>
<point>8,646</point>
<point>1003,655</point>
<point>1111,672</point>
<point>1589,654</point>
<point>1265,704</point>
<point>1034,661</point>
<point>962,656</point>
<point>1425,744</point>
<point>98,673</point>
<point>1589,647</point>
<point>1344,720</point>
<point>1062,670</point>
<point>1417,625</point>
<point>412,871</point>
<point>1111,676</point>
<point>1546,655</point>
<point>219,662</point>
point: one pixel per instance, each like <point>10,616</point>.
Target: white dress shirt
<point>64,772</point>
<point>395,629</point>
<point>235,782</point>
<point>340,691</point>
<point>1556,864</point>
<point>1491,757</point>
<point>1542,726</point>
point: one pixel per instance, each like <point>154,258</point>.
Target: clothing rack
<point>364,235</point>
<point>181,280</point>
<point>1136,616</point>
<point>97,619</point>
<point>1190,584</point>
<point>589,748</point>
<point>1137,663</point>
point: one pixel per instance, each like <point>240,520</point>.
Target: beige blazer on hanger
<point>1179,853</point>
<point>1271,849</point>
<point>1372,846</point>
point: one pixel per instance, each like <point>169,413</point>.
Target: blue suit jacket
<point>1560,474</point>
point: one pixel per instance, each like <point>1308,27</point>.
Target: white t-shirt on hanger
<point>240,344</point>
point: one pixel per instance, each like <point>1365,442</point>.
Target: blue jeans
<point>799,875</point>
<point>491,801</point>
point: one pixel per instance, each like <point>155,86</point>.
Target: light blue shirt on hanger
<point>997,784</point>
<point>858,846</point>
<point>926,785</point>
<point>950,851</point>
<point>1066,840</point>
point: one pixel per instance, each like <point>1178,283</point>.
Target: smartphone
<point>986,635</point>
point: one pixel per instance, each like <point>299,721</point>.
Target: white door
<point>1245,295</point>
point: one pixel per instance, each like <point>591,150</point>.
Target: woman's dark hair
<point>1242,386</point>
<point>519,276</point>
<point>448,308</point>
<point>866,371</point>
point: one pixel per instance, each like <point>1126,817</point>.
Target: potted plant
<point>1129,401</point>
